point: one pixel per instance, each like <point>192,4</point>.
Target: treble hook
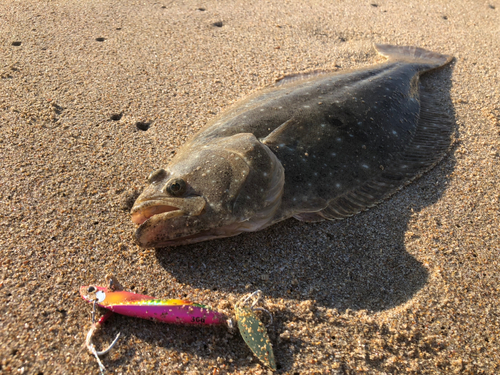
<point>258,294</point>
<point>88,341</point>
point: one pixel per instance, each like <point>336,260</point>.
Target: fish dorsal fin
<point>299,77</point>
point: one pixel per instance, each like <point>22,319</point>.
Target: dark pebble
<point>116,116</point>
<point>142,125</point>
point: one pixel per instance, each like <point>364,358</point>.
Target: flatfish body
<point>314,146</point>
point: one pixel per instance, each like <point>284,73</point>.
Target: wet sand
<point>411,286</point>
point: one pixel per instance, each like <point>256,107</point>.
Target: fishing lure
<point>146,307</point>
<point>253,330</point>
<point>176,311</point>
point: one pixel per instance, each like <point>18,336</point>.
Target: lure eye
<point>176,187</point>
<point>156,175</point>
<point>100,296</point>
<point>91,289</point>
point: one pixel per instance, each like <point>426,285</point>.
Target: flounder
<point>313,146</point>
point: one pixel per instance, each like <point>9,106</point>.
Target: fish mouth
<point>166,208</point>
<point>149,209</point>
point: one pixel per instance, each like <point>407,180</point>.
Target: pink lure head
<point>147,307</point>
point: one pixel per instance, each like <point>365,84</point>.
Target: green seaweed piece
<point>255,335</point>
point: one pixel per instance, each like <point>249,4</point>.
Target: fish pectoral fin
<point>285,131</point>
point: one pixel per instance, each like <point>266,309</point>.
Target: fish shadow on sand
<point>358,263</point>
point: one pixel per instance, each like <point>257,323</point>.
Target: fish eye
<point>176,187</point>
<point>156,175</point>
<point>91,289</point>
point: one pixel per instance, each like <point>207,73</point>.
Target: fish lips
<point>155,216</point>
<point>167,207</point>
<point>166,230</point>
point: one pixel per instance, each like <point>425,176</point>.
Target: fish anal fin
<point>310,217</point>
<point>431,141</point>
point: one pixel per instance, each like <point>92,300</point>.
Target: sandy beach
<point>94,95</point>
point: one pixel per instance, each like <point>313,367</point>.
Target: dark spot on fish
<point>116,116</point>
<point>218,24</point>
<point>142,125</point>
<point>16,44</point>
<point>100,39</point>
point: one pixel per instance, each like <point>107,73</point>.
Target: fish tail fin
<point>427,60</point>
